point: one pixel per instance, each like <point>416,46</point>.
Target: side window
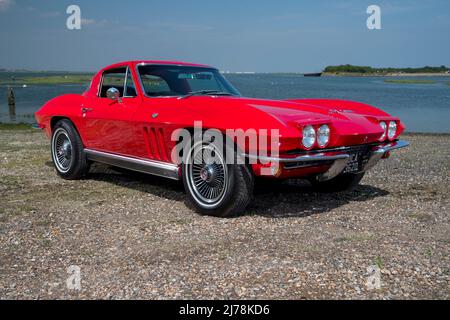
<point>113,79</point>
<point>155,86</point>
<point>130,89</point>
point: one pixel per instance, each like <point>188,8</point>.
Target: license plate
<point>354,164</point>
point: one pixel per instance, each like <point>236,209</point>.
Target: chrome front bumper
<point>338,158</point>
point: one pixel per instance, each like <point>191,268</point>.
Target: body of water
<point>422,107</point>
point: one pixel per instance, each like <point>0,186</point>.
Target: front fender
<point>66,106</point>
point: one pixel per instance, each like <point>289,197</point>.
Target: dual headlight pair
<point>311,136</point>
<point>388,130</point>
<point>322,134</point>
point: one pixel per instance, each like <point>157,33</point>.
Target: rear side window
<point>113,79</point>
<point>130,88</point>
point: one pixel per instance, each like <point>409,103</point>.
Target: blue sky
<point>244,35</point>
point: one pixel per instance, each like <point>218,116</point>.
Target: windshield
<point>173,81</point>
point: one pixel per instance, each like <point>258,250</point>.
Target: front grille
<point>304,164</point>
<point>359,154</point>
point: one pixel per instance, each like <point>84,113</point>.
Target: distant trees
<point>348,68</point>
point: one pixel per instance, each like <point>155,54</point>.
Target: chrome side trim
<point>157,168</point>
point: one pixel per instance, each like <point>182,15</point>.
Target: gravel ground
<point>132,235</point>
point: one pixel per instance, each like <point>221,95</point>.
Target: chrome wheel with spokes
<point>62,150</point>
<point>214,184</point>
<point>207,175</point>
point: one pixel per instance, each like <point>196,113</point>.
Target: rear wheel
<point>67,151</point>
<point>342,182</point>
<point>214,187</point>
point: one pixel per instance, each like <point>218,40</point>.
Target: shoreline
<point>354,74</point>
<point>82,79</point>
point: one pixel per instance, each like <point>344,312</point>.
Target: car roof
<point>160,62</point>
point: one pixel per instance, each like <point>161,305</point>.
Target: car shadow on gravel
<point>158,186</point>
<point>296,198</point>
<point>292,198</point>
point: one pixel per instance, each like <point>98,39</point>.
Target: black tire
<point>67,151</point>
<point>237,190</point>
<point>346,181</point>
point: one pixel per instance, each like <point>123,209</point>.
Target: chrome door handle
<point>84,110</point>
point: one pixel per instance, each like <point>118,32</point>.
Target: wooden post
<point>11,104</point>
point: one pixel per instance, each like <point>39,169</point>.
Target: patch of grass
<point>409,81</point>
<point>180,221</point>
<point>379,262</point>
<point>43,223</point>
<point>355,238</point>
<point>46,243</point>
<point>422,217</point>
<point>3,217</point>
<point>26,116</point>
<point>10,181</point>
<point>38,161</point>
<point>50,80</point>
<point>23,149</point>
<point>15,126</point>
<point>14,209</point>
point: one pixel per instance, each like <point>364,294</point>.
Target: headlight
<point>392,129</point>
<point>384,127</point>
<point>309,137</point>
<point>323,135</point>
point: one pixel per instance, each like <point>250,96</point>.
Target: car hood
<point>354,122</point>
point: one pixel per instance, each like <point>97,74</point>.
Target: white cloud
<point>5,4</point>
<point>87,22</point>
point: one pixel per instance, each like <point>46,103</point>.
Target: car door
<point>157,114</point>
<point>109,123</point>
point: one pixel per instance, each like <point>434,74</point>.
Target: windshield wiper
<point>205,92</point>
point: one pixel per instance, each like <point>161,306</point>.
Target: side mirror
<point>113,94</point>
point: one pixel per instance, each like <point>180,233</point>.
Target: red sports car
<point>187,122</point>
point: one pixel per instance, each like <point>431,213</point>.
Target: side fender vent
<point>156,144</point>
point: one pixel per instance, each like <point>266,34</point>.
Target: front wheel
<point>214,187</point>
<point>342,182</point>
<point>67,151</point>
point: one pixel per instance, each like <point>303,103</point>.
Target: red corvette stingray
<point>187,122</point>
